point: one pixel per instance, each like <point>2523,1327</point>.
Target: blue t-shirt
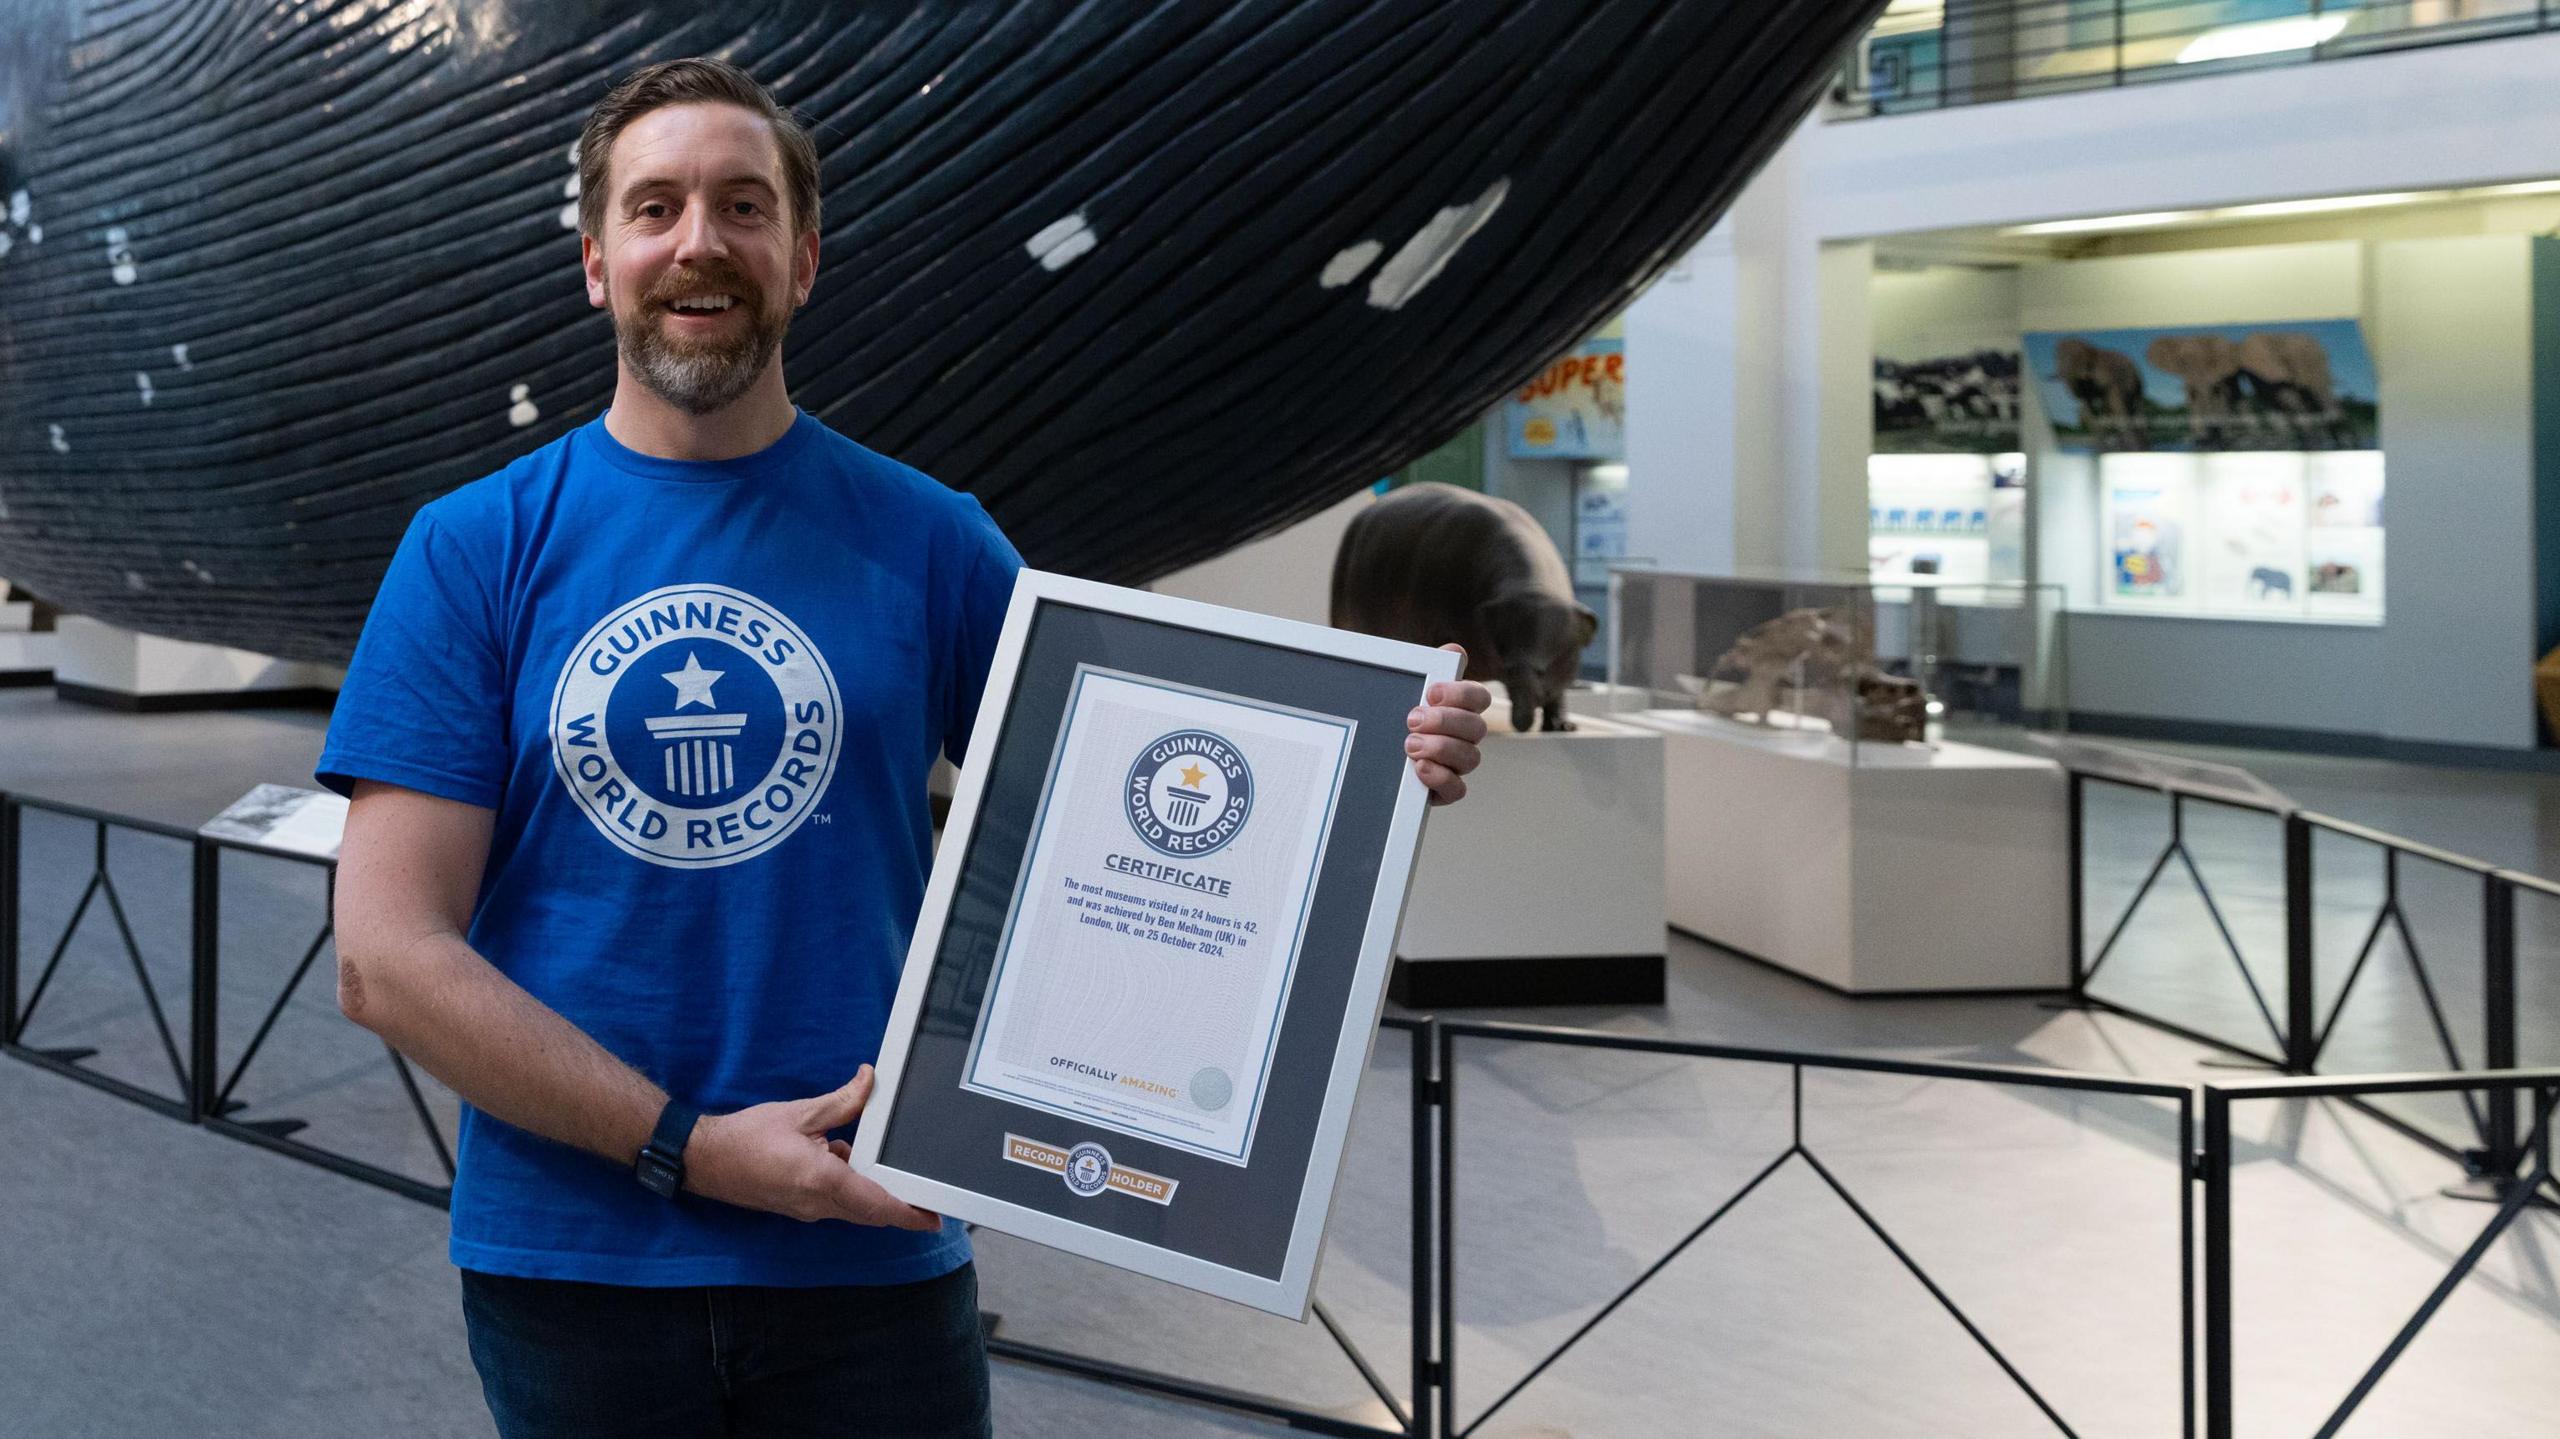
<point>702,698</point>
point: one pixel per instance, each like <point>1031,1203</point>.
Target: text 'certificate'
<point>1147,956</point>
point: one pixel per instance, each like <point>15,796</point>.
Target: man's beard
<point>699,376</point>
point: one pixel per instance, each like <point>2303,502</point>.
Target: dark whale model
<point>1149,280</point>
<point>1434,563</point>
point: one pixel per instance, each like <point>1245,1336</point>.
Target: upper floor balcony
<point>1933,54</point>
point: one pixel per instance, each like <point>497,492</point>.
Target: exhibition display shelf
<point>1574,816</point>
<point>1883,869</point>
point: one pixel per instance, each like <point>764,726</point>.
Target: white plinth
<point>1582,699</point>
<point>99,662</point>
<point>1913,870</point>
<point>26,658</point>
<point>1555,855</point>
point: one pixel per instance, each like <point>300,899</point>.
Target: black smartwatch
<point>661,1166</point>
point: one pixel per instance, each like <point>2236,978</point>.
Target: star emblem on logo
<point>693,683</point>
<point>1193,774</point>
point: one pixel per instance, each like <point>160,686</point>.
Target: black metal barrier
<point>217,1106</point>
<point>1796,1063</point>
<point>2542,1086</point>
<point>202,1093</point>
<point>18,1008</point>
<point>2301,1035</point>
<point>2515,1111</point>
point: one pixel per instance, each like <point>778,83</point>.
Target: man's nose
<point>698,235</point>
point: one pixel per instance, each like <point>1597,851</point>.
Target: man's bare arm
<point>408,874</point>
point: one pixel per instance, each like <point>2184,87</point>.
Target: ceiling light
<point>2529,187</point>
<point>2101,223</point>
<point>2322,206</point>
<point>2262,37</point>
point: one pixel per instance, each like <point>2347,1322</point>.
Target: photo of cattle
<point>2290,386</point>
<point>1948,404</point>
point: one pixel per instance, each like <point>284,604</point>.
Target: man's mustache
<point>722,280</point>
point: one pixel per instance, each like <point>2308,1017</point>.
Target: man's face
<point>697,260</point>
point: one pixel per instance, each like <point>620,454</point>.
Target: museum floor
<point>160,1279</point>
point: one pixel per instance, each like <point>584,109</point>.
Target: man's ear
<point>591,259</point>
<point>1586,624</point>
<point>804,267</point>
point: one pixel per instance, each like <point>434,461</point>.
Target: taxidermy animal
<point>1815,655</point>
<point>2108,385</point>
<point>1432,563</point>
<point>274,273</point>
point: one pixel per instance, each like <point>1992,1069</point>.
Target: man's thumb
<point>845,1105</point>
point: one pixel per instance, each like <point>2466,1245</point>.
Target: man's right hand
<point>777,1157</point>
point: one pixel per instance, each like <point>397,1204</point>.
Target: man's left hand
<point>1445,732</point>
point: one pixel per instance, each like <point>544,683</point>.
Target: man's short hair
<point>687,82</point>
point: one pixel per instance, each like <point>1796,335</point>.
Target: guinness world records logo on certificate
<point>1153,951</point>
<point>1189,793</point>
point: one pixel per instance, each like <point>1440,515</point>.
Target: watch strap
<point>661,1164</point>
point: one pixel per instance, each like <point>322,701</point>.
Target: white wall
<point>2469,114</point>
<point>1944,310</point>
<point>2456,366</point>
<point>1747,448</point>
<point>1289,574</point>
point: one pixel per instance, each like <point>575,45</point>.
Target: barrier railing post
<point>2498,958</point>
<point>2217,1264</point>
<point>2301,1037</point>
<point>8,919</point>
<point>2078,790</point>
<point>1445,1085</point>
<point>1426,1096</point>
<point>205,964</point>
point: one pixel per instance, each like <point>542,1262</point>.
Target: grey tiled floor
<point>156,1279</point>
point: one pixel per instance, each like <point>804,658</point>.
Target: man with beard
<point>637,736</point>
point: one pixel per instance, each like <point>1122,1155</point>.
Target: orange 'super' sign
<point>1589,371</point>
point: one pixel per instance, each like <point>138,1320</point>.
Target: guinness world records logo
<point>695,726</point>
<point>1188,793</point>
<point>1088,1170</point>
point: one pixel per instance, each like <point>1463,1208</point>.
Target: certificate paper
<point>1148,953</point>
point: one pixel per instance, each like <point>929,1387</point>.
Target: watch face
<point>659,1175</point>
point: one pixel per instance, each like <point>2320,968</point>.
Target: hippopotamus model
<point>1433,563</point>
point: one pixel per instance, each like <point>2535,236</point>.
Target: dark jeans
<point>603,1361</point>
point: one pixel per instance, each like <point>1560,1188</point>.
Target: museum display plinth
<point>1545,886</point>
<point>26,657</point>
<point>1913,869</point>
<point>101,664</point>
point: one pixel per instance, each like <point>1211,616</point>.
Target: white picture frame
<point>1308,1186</point>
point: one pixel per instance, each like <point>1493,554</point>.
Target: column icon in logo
<point>1187,802</point>
<point>700,763</point>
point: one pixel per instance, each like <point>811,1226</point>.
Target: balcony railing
<point>1932,54</point>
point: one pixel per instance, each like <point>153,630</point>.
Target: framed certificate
<point>1155,945</point>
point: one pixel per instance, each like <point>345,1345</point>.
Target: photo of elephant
<point>2287,386</point>
<point>2293,396</point>
<point>2106,387</point>
<point>2209,367</point>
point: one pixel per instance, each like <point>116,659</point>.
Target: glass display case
<point>1841,658</point>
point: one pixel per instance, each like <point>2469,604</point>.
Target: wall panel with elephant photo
<point>2277,386</point>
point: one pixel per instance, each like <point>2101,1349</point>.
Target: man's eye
<point>746,207</point>
<point>653,210</point>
